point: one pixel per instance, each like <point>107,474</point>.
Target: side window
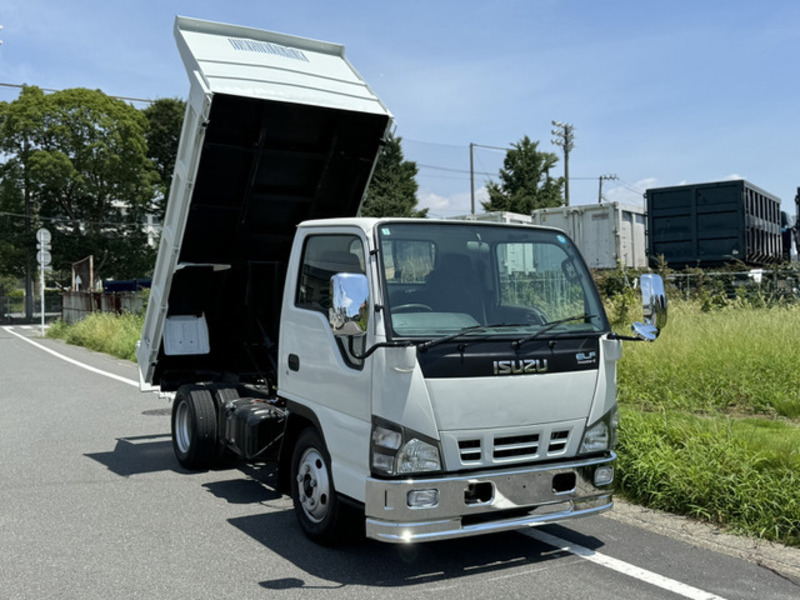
<point>323,257</point>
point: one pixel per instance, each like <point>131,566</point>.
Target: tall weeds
<point>710,422</point>
<point>103,332</point>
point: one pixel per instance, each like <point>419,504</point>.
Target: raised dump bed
<point>278,129</point>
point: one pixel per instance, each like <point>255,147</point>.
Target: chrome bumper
<point>486,501</point>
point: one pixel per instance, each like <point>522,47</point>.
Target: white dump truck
<point>413,379</point>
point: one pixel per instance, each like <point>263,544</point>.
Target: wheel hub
<point>313,485</point>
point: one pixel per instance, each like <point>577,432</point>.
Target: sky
<point>659,93</point>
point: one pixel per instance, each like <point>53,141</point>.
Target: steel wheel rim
<point>182,429</point>
<point>313,485</point>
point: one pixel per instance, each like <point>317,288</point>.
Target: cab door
<point>318,372</point>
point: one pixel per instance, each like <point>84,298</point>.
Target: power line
<point>65,220</point>
<point>451,170</point>
<point>51,90</point>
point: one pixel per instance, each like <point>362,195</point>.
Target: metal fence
<point>781,285</point>
<point>12,308</point>
<point>78,305</point>
<point>69,307</point>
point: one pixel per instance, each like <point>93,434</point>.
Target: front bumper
<point>487,501</point>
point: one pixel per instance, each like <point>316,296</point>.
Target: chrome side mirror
<point>349,311</point>
<point>654,306</point>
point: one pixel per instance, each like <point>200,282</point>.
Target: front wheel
<point>321,514</point>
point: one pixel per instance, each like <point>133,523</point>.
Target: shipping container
<point>710,224</point>
<point>608,234</point>
<point>498,216</point>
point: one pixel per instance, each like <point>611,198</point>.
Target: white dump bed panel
<point>242,61</point>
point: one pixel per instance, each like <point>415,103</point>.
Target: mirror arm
<point>371,350</point>
<point>625,338</point>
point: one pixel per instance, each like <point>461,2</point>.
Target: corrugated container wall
<point>608,234</point>
<point>711,224</point>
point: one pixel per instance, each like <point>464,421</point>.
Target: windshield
<point>485,279</point>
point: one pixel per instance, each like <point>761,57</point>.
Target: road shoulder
<point>783,560</point>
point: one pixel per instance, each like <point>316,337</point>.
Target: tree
<point>13,230</point>
<point>19,122</point>
<point>78,159</point>
<point>393,189</point>
<point>525,183</point>
<point>165,117</point>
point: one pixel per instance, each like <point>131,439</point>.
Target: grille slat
<point>470,450</point>
<point>516,445</point>
<point>558,441</point>
<point>514,448</point>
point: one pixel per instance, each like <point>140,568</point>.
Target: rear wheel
<point>321,514</point>
<point>194,427</point>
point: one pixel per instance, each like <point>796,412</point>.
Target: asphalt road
<point>93,504</point>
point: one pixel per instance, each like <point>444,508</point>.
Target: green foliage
<point>16,243</point>
<point>8,285</point>
<point>716,469</point>
<point>726,361</point>
<point>525,183</point>
<point>77,159</point>
<point>623,302</point>
<point>103,332</point>
<point>710,417</point>
<point>165,117</point>
<point>393,189</point>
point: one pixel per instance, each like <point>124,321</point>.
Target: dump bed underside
<point>265,167</point>
<point>260,165</point>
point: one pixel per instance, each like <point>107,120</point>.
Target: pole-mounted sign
<point>44,258</point>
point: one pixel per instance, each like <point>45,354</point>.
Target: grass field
<point>710,422</point>
<point>711,419</point>
<point>103,332</point>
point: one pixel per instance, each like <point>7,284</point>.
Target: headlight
<point>596,438</point>
<point>602,435</point>
<point>396,450</point>
<point>417,456</point>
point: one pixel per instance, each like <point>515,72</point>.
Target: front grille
<point>531,445</point>
<point>470,450</point>
<point>558,441</point>
<point>516,446</point>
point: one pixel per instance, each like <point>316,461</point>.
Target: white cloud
<point>443,206</point>
<point>632,193</point>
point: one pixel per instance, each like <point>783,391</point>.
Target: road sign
<point>43,236</point>
<point>44,257</point>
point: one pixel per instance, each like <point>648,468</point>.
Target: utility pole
<point>600,191</point>
<point>565,138</point>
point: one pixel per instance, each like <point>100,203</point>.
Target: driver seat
<point>454,286</point>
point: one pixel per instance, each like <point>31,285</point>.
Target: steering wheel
<point>412,308</point>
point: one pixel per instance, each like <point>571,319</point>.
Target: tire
<point>194,428</point>
<point>321,514</point>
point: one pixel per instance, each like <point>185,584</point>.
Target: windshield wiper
<point>547,327</point>
<point>450,337</point>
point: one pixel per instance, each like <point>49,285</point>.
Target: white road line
<point>665,583</point>
<point>72,360</point>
